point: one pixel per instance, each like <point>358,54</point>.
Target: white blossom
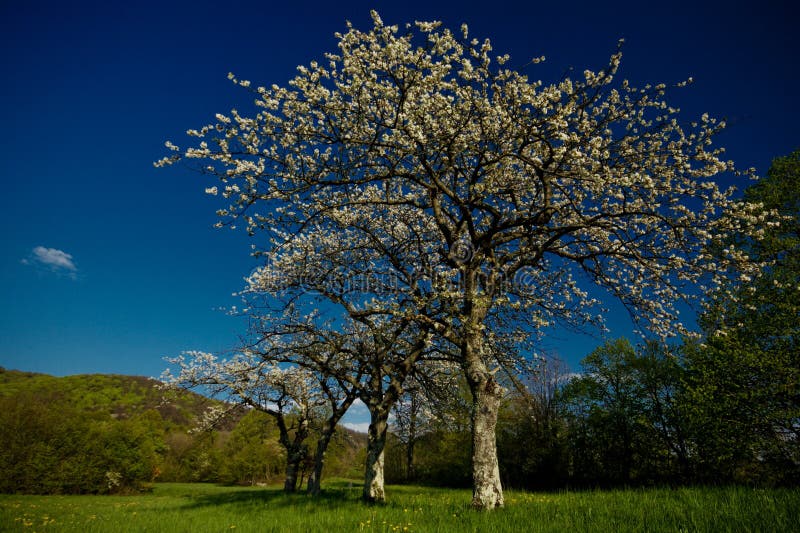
<point>409,177</point>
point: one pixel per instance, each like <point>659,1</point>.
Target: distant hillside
<point>97,433</point>
<point>120,396</point>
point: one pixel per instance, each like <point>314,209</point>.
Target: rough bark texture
<point>315,478</point>
<point>328,430</point>
<point>487,492</point>
<point>290,483</point>
<point>296,451</point>
<point>373,473</point>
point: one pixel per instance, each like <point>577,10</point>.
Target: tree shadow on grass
<point>331,497</point>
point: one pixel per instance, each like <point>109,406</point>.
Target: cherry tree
<point>291,395</point>
<point>506,197</point>
<point>369,358</point>
<point>349,281</point>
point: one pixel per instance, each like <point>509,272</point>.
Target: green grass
<point>175,507</point>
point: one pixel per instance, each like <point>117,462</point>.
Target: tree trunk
<point>290,484</point>
<point>328,430</point>
<point>315,478</point>
<point>376,441</point>
<point>296,451</point>
<point>487,492</point>
<point>411,472</point>
<point>412,438</point>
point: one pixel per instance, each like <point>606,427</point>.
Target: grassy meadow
<point>202,507</point>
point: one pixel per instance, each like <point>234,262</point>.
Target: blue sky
<point>108,264</point>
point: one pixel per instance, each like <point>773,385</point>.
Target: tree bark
<point>376,441</point>
<point>412,438</point>
<point>290,483</point>
<point>487,491</point>
<point>296,451</point>
<point>315,477</point>
<point>328,430</point>
<point>411,472</point>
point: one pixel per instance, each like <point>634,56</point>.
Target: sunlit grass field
<point>201,507</point>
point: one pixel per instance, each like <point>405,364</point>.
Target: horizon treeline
<point>651,415</point>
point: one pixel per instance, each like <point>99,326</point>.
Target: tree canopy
<point>415,175</point>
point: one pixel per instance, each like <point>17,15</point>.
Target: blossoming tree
<point>293,396</point>
<point>516,195</point>
<point>369,357</point>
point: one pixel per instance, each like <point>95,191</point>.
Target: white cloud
<point>54,259</point>
<point>361,427</point>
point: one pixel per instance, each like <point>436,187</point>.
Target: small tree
<point>369,359</point>
<point>514,190</point>
<point>319,352</point>
<point>290,395</point>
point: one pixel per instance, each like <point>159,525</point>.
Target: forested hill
<point>98,433</point>
<point>119,396</point>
